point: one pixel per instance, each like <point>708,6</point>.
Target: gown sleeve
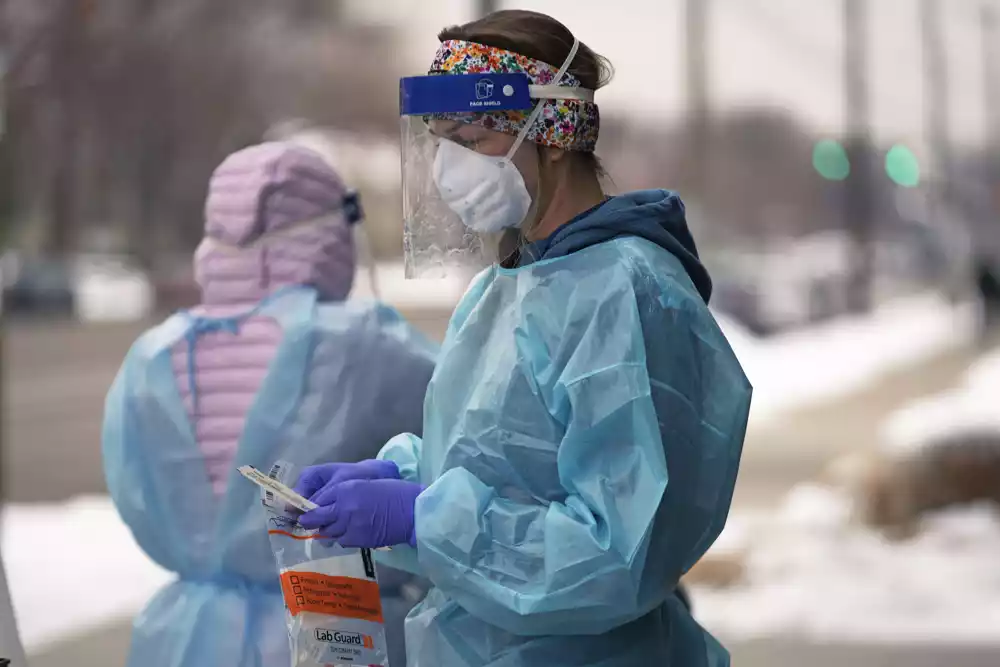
<point>126,468</point>
<point>404,451</point>
<point>118,411</point>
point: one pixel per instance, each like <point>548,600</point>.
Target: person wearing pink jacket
<point>273,364</point>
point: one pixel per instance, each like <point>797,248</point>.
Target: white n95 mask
<point>486,192</point>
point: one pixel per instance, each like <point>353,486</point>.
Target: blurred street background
<point>840,161</point>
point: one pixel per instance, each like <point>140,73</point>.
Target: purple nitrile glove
<point>367,513</point>
<point>316,479</point>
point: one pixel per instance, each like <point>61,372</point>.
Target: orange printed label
<point>334,596</point>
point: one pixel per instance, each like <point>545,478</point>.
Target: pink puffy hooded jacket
<point>293,198</point>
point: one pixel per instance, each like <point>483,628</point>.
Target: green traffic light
<point>902,166</point>
<point>830,160</point>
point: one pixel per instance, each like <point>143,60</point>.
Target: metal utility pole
<point>10,644</point>
<point>67,85</point>
<point>936,106</point>
<point>859,187</point>
<point>696,80</point>
<point>990,26</point>
<point>4,160</point>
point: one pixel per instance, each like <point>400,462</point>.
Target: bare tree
<point>130,104</point>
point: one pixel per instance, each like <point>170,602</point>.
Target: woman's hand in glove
<point>367,513</point>
<point>315,481</point>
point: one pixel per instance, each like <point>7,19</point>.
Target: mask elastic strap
<point>537,111</point>
<point>349,209</point>
<point>363,240</point>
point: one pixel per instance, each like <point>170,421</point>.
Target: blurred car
<point>90,287</point>
<point>39,286</point>
<point>108,288</point>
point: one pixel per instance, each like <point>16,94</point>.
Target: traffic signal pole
<point>936,107</point>
<point>860,205</point>
<point>10,645</point>
<point>486,7</point>
<point>990,25</point>
<point>696,81</point>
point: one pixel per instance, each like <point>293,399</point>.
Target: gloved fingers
<point>386,469</point>
<point>352,472</point>
<point>336,529</point>
<point>369,469</point>
<point>319,518</point>
<point>328,494</point>
<point>311,480</point>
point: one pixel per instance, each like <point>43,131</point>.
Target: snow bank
<point>825,362</point>
<point>73,568</point>
<point>984,374</point>
<point>969,409</point>
<point>812,574</point>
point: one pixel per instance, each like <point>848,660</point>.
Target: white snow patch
<point>984,374</point>
<point>825,362</point>
<point>971,408</point>
<point>72,568</point>
<point>813,574</point>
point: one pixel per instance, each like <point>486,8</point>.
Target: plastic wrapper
<point>332,606</point>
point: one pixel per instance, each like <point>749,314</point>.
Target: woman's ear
<point>552,155</point>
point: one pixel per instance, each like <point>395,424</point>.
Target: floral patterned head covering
<point>569,124</point>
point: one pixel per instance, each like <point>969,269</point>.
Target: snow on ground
<point>73,568</point>
<point>816,364</point>
<point>813,574</point>
<point>970,408</point>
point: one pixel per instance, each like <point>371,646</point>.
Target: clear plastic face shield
<point>459,199</point>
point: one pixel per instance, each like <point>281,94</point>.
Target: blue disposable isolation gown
<point>582,435</point>
<point>225,609</point>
